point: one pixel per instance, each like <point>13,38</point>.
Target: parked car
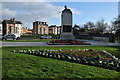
<point>11,37</point>
<point>46,37</point>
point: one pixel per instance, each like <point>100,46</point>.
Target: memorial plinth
<point>66,25</point>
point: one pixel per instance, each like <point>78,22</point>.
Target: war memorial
<point>66,37</point>
<point>64,58</point>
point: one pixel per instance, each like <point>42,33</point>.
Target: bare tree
<point>101,26</point>
<point>89,27</point>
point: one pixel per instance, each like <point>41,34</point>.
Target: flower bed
<point>89,57</point>
<point>67,42</point>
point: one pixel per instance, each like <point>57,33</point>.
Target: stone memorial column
<point>66,25</point>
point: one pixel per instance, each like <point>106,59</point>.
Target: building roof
<point>40,23</point>
<point>26,30</point>
<point>53,26</point>
<point>11,22</point>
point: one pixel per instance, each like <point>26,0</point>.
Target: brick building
<point>40,27</point>
<point>12,26</point>
<point>53,29</point>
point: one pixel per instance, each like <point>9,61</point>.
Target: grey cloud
<point>28,11</point>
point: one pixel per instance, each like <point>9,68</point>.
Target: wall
<point>19,27</point>
<point>105,39</point>
<point>42,29</point>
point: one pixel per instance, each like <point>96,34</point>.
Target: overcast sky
<point>60,0</point>
<point>27,12</point>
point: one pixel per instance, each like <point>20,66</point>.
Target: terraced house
<point>40,28</point>
<point>53,29</point>
<point>12,26</point>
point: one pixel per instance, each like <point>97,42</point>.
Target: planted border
<point>67,42</point>
<point>89,57</point>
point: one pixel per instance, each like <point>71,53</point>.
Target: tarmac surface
<point>93,43</point>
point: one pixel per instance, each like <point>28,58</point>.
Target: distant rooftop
<point>12,21</point>
<point>40,22</point>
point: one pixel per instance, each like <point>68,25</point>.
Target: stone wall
<point>105,39</point>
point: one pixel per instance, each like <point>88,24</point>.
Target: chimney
<point>39,22</point>
<point>45,23</point>
<point>42,22</point>
<point>13,19</point>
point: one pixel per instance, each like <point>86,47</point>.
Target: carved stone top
<point>65,7</point>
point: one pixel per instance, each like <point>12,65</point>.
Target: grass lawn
<point>30,40</point>
<point>17,65</point>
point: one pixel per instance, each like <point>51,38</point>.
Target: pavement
<point>93,43</point>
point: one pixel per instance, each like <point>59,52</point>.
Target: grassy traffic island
<point>17,65</point>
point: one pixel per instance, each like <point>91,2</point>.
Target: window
<point>44,30</point>
<point>10,29</point>
<point>40,30</point>
<point>16,29</point>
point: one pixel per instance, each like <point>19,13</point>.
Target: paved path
<point>24,44</point>
<point>94,43</point>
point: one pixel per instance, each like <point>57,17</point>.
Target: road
<point>94,43</point>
